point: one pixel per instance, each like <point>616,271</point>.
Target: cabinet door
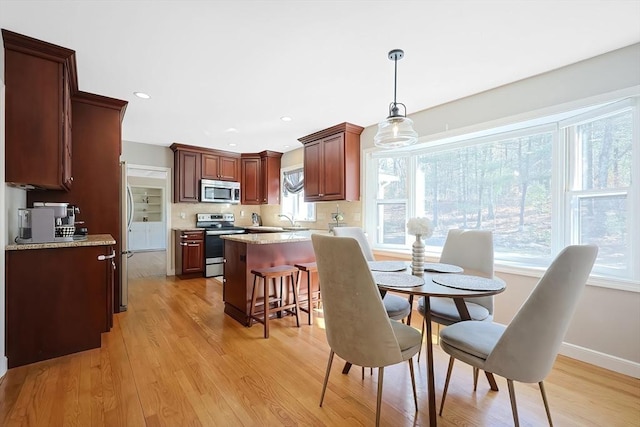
<point>187,177</point>
<point>193,257</point>
<point>210,166</point>
<point>219,167</point>
<point>67,177</point>
<point>36,147</point>
<point>156,235</point>
<point>270,175</point>
<point>229,168</point>
<point>312,172</point>
<point>251,190</point>
<point>333,163</point>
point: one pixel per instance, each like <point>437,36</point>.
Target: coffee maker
<point>46,222</point>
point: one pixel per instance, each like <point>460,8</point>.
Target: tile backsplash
<point>183,215</point>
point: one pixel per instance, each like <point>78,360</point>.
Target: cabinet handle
<point>320,194</point>
<point>184,244</point>
<point>184,237</point>
<point>105,257</point>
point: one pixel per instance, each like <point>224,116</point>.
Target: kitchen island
<point>245,252</point>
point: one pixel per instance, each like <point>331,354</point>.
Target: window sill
<point>536,272</point>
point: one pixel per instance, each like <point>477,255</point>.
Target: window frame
<point>282,196</point>
<point>561,193</point>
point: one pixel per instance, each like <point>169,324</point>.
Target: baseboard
<point>602,360</point>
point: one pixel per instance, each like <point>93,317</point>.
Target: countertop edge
<point>92,240</point>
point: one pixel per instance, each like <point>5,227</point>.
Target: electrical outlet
<point>183,215</point>
<point>241,214</point>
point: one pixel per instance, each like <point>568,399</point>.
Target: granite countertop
<point>269,238</point>
<point>91,240</point>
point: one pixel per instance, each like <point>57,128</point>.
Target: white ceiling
<point>214,65</point>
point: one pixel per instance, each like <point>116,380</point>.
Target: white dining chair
<point>397,308</point>
<point>526,349</point>
<point>357,326</point>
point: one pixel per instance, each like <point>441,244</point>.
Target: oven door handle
<point>222,232</point>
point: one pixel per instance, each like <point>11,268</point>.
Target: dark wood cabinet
<point>192,164</point>
<point>187,172</point>
<point>58,301</point>
<point>189,252</point>
<point>221,167</point>
<point>96,190</point>
<point>332,164</point>
<point>260,178</point>
<point>40,79</point>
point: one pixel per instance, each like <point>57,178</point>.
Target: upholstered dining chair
<point>356,323</point>
<point>397,307</point>
<point>473,251</point>
<point>525,350</point>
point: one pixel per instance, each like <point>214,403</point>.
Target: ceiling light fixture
<point>142,95</point>
<point>286,118</point>
<point>396,130</point>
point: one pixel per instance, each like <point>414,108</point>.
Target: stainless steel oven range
<point>215,226</point>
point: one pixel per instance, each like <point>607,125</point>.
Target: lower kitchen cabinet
<point>58,301</point>
<point>147,236</point>
<point>189,252</point>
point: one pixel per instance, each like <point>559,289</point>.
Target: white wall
<point>606,326</point>
<point>3,228</point>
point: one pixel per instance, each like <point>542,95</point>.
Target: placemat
<point>399,280</point>
<point>387,265</point>
<point>469,283</point>
<point>440,267</point>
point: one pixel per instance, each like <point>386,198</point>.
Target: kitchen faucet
<point>290,218</point>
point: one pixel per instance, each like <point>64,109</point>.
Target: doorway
<point>149,221</point>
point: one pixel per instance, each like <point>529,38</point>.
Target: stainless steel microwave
<point>219,191</point>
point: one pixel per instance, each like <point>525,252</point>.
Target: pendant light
<point>396,130</point>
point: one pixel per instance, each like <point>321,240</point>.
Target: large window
<point>538,188</point>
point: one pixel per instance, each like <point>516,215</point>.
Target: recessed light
<point>142,95</point>
<point>286,118</point>
<point>232,144</point>
<point>231,130</point>
<point>286,146</point>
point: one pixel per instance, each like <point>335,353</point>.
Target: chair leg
<point>379,401</point>
<point>266,306</point>
<point>546,403</point>
<point>421,337</point>
<point>294,285</point>
<point>476,371</point>
<point>514,408</point>
<point>363,373</point>
<point>326,376</point>
<point>253,302</point>
<point>446,383</point>
<point>413,383</point>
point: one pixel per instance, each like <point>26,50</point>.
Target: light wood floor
<point>147,264</point>
<point>175,359</point>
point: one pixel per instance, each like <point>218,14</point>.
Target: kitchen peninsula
<point>244,252</point>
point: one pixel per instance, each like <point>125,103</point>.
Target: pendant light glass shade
<point>396,130</point>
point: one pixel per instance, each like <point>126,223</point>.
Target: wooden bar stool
<point>268,276</point>
<point>309,268</point>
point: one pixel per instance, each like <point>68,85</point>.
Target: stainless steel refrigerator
<point>126,204</point>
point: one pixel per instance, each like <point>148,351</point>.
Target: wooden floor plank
<point>174,358</point>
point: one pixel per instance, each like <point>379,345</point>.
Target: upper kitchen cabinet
<point>260,173</point>
<point>187,174</point>
<point>40,79</point>
<point>221,166</point>
<point>332,164</point>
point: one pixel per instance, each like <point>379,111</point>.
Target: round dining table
<point>478,287</point>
